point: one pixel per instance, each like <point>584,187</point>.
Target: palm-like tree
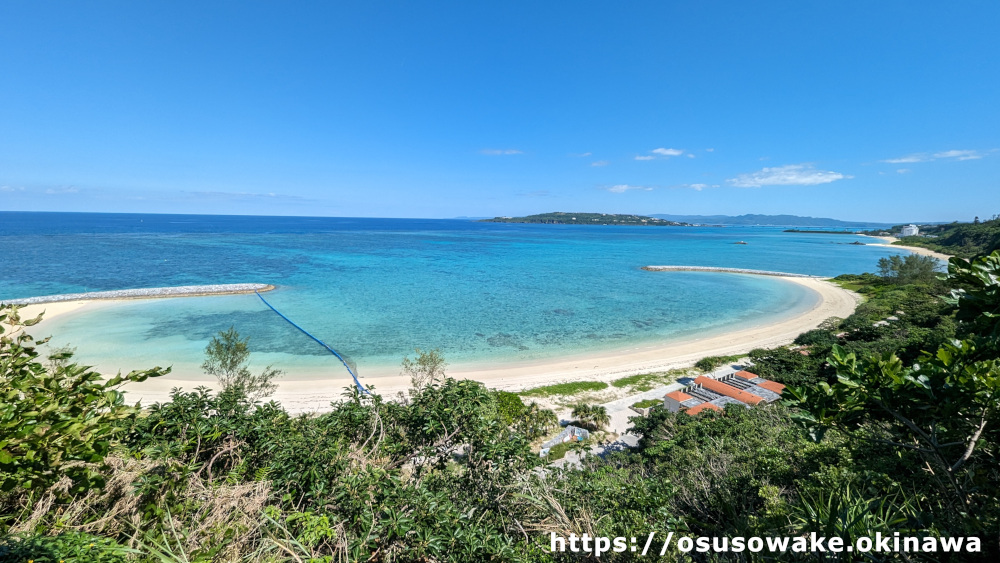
<point>536,421</point>
<point>594,417</point>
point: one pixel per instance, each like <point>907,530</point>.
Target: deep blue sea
<point>375,289</point>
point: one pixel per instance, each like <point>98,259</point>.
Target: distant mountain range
<point>772,220</point>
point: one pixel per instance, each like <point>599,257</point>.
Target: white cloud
<point>953,154</point>
<point>662,153</point>
<point>65,190</point>
<point>498,152</point>
<point>11,188</point>
<point>709,150</point>
<point>697,187</point>
<point>600,163</point>
<point>622,188</point>
<point>581,155</point>
<point>788,175</point>
<point>689,155</point>
<point>903,171</point>
<point>960,155</point>
<point>923,157</point>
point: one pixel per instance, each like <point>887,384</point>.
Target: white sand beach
<point>303,394</point>
<point>51,310</point>
<point>914,249</point>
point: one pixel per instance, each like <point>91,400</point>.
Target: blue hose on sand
<point>321,343</point>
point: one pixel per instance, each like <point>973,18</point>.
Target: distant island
<point>766,220</point>
<point>561,218</point>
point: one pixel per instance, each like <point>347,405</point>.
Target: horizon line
<point>465,217</point>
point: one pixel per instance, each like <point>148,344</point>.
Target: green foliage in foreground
<point>570,388</point>
<point>902,319</point>
<point>978,298</point>
<point>67,546</point>
<point>942,411</point>
<point>54,425</point>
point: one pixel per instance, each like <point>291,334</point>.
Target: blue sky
<point>880,111</point>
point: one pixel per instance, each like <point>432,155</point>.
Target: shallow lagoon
<point>375,289</point>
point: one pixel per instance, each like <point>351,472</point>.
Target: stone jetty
<point>147,293</point>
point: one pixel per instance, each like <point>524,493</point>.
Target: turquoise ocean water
<point>375,289</point>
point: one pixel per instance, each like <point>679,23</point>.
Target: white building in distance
<point>909,231</point>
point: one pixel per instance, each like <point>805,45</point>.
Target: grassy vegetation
<point>570,388</point>
<point>847,284</point>
<point>559,451</point>
<point>640,382</point>
<point>643,382</point>
<point>648,403</point>
<point>710,363</point>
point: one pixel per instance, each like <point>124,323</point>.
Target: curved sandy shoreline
<point>727,271</point>
<point>300,394</point>
<point>914,249</point>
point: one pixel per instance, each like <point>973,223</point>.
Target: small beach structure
<point>569,434</point>
<point>743,387</point>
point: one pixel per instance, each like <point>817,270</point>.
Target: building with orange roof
<point>772,386</point>
<point>678,400</point>
<point>697,409</point>
<point>741,388</point>
<point>727,390</point>
<point>679,396</point>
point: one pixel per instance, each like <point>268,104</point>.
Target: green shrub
<point>68,546</point>
<point>564,389</point>
<point>648,403</point>
<point>710,363</point>
<point>914,268</point>
<point>816,337</point>
<point>509,406</point>
<point>639,382</point>
<point>58,423</point>
<point>559,451</point>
